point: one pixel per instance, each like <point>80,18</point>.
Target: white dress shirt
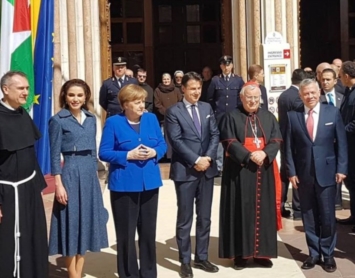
<point>315,118</point>
<point>188,107</point>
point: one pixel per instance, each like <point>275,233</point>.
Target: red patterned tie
<point>310,123</point>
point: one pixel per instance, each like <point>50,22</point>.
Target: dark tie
<point>195,119</point>
<point>310,123</point>
<point>227,78</point>
<point>121,82</point>
<point>331,99</point>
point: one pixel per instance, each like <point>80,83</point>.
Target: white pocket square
<point>329,123</point>
<point>208,116</point>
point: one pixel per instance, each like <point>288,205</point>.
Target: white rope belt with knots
<point>17,234</point>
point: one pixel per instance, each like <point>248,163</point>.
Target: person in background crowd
<point>347,76</point>
<point>207,77</point>
<point>142,77</point>
<point>194,136</point>
<point>332,97</point>
<point>178,75</point>
<point>223,93</point>
<point>308,69</point>
<point>133,144</point>
<point>22,236</point>
<point>289,100</point>
<point>337,62</point>
<point>256,75</point>
<point>79,218</point>
<point>316,159</point>
<point>251,188</point>
<point>111,87</point>
<point>129,73</point>
<point>320,68</point>
<point>165,95</point>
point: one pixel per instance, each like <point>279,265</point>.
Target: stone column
<point>57,68</point>
<point>289,30</point>
<point>242,39</point>
<point>256,32</point>
<point>278,16</point>
<point>73,59</point>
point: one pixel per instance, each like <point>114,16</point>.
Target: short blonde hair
<point>130,93</point>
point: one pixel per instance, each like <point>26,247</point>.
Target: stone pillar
<point>73,59</point>
<point>278,16</point>
<point>256,31</point>
<point>289,31</point>
<point>242,51</point>
<point>57,68</point>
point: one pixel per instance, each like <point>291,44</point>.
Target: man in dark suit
<point>289,100</point>
<point>330,95</point>
<point>223,94</point>
<point>110,87</point>
<point>347,76</point>
<point>316,160</point>
<point>193,133</point>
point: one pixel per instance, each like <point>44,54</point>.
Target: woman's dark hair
<point>74,83</point>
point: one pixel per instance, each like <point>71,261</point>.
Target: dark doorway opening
<point>320,32</point>
<point>187,35</point>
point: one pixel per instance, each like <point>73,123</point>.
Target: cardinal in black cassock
<point>17,163</point>
<point>251,188</point>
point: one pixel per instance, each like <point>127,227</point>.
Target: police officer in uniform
<point>112,86</point>
<point>224,93</point>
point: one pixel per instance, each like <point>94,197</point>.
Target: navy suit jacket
<point>187,144</point>
<point>322,158</point>
<point>289,100</point>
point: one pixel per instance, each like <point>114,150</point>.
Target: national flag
<point>16,41</point>
<point>43,69</point>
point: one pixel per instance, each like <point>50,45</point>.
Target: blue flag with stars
<point>43,73</point>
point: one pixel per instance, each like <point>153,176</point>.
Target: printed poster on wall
<point>278,78</point>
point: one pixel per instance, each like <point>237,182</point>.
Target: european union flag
<point>43,72</point>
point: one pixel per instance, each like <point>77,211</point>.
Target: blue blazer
<point>67,135</point>
<point>187,144</point>
<point>118,137</point>
<point>320,159</point>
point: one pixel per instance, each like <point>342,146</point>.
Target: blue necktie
<point>195,119</point>
<point>121,82</point>
<point>331,99</point>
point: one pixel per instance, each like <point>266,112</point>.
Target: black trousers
<point>200,190</point>
<point>131,211</point>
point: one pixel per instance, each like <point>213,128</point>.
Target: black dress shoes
<point>310,263</point>
<point>346,221</point>
<point>285,213</point>
<point>206,266</point>
<point>186,271</point>
<point>329,265</point>
<point>263,262</point>
<point>240,263</point>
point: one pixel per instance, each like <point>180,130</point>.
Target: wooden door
<point>187,35</point>
<point>347,16</point>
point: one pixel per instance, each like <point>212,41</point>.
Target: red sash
<point>250,145</point>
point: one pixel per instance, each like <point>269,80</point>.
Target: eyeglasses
<point>141,76</point>
<point>249,98</point>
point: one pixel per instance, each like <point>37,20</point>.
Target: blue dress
<point>79,226</point>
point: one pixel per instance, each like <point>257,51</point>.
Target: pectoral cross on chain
<point>257,142</point>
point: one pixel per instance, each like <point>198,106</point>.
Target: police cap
<point>226,59</point>
<point>119,61</point>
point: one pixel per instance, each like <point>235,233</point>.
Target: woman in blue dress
<point>79,218</point>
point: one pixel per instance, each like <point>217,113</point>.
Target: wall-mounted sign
<point>278,81</point>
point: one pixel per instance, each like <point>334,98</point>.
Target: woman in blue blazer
<point>133,144</point>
